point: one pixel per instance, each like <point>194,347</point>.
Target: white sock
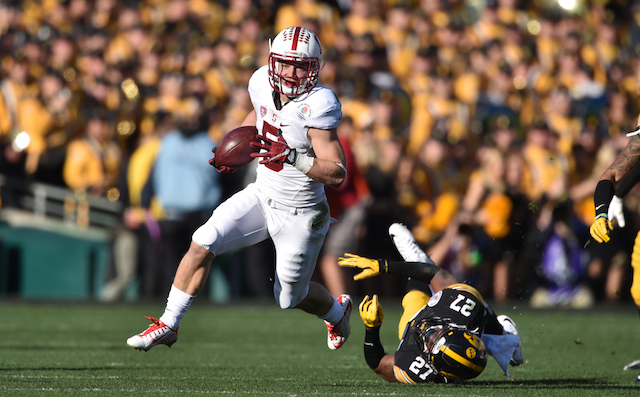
<point>335,314</point>
<point>177,304</point>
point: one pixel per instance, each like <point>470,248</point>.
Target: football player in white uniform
<point>300,152</point>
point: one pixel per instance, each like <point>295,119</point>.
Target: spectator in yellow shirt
<point>93,161</point>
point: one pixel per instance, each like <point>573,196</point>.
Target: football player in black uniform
<point>446,330</point>
<point>615,183</point>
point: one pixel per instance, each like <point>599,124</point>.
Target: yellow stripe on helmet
<point>451,376</point>
<point>446,350</point>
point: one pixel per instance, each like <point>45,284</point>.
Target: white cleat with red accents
<point>338,333</point>
<point>158,333</point>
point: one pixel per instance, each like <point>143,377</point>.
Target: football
<point>234,150</point>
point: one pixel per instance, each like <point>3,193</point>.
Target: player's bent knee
<point>287,301</point>
<point>288,297</point>
<point>204,236</point>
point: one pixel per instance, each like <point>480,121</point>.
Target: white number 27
<point>465,309</point>
<point>417,365</point>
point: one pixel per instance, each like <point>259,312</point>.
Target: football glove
<point>276,152</point>
<point>616,212</point>
<point>371,311</point>
<point>600,229</point>
<point>369,267</point>
<point>222,169</point>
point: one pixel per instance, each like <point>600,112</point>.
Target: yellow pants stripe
<point>412,303</point>
<point>635,264</point>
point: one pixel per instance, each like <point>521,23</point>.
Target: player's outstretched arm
<point>627,161</point>
<point>616,206</point>
<point>438,277</point>
<point>372,317</point>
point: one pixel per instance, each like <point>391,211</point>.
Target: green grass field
<point>240,350</point>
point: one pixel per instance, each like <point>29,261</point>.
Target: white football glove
<point>615,211</point>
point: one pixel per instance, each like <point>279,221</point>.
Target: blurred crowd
<point>484,126</point>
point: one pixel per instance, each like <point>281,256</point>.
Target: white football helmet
<point>295,44</point>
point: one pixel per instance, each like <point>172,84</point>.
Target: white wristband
<point>303,162</point>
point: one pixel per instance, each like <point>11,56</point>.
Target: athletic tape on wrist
<point>303,162</point>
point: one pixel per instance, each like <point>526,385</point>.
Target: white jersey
<point>320,108</point>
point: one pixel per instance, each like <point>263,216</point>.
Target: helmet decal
<point>471,352</point>
<point>454,352</point>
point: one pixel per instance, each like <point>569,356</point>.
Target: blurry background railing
<point>54,243</point>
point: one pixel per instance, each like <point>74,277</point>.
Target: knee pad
<point>288,296</point>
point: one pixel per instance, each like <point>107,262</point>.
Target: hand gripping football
<point>234,150</point>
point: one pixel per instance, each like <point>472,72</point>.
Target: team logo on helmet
<point>471,352</point>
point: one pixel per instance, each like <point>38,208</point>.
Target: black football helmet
<point>454,352</point>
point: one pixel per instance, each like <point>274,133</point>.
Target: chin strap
<point>276,100</point>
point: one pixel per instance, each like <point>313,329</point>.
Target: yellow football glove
<point>371,311</point>
<point>600,229</point>
<point>370,267</point>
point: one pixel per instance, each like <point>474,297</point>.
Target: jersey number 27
<point>461,306</point>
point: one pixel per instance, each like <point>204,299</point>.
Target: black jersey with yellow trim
<point>458,304</point>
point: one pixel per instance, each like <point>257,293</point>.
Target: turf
<point>252,349</point>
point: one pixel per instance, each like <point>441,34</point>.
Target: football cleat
<point>632,365</point>
<point>510,327</point>
<point>406,244</point>
<point>158,333</point>
<point>338,333</point>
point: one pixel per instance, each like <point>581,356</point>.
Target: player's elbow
<point>389,377</point>
<point>335,182</point>
<point>337,177</point>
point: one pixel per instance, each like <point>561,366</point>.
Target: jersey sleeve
<point>411,365</point>
<point>326,110</point>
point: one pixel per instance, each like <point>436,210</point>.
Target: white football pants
<point>249,217</point>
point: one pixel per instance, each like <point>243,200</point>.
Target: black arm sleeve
<point>373,349</point>
<point>628,182</point>
<point>418,270</point>
<point>602,196</point>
